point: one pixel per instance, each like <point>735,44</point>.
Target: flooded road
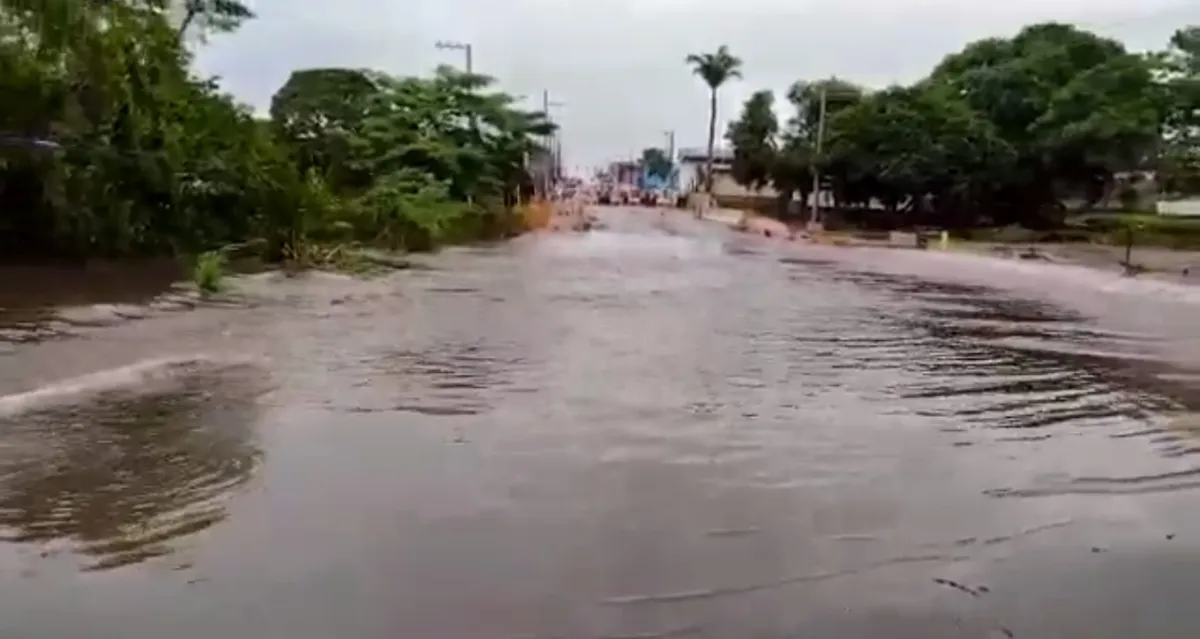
<point>659,430</point>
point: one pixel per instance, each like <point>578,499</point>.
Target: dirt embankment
<point>744,221</point>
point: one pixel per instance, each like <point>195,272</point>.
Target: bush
<point>209,272</point>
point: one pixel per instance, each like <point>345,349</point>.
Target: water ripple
<point>118,478</point>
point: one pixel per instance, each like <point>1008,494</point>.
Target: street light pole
<point>816,187</point>
<point>465,47</point>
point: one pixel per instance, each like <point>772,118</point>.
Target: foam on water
<point>1044,276</point>
<point>605,243</point>
<point>141,375</point>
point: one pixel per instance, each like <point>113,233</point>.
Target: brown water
<point>659,430</point>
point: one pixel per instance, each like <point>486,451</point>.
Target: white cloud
<point>618,64</point>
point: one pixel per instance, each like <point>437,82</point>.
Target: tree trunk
<point>712,139</point>
<point>187,22</point>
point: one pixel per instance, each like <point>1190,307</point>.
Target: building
<point>691,169</point>
<point>625,172</point>
<point>725,188</point>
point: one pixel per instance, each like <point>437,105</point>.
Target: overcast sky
<point>617,65</point>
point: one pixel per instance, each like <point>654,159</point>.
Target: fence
<point>1180,208</point>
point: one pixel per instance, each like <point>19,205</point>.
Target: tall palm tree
<point>715,69</point>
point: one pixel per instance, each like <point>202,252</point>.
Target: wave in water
<point>141,375</point>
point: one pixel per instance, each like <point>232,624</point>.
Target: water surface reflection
<point>658,430</point>
<point>117,479</point>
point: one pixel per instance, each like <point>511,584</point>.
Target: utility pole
<point>554,153</point>
<point>671,158</point>
<point>465,47</point>
<point>816,187</point>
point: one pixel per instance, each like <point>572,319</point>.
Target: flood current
<point>660,429</point>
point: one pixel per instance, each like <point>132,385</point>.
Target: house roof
<point>699,154</point>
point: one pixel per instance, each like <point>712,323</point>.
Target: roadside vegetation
<point>208,272</point>
<point>1030,134</point>
<point>110,145</point>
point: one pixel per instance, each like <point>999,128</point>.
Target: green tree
<point>427,145</point>
<point>715,69</point>
<point>803,138</point>
<point>317,112</point>
<point>1178,70</point>
<point>156,160</point>
<point>806,97</point>
<point>753,138</point>
<point>656,162</point>
<point>1001,132</point>
<point>1076,108</point>
<point>917,150</point>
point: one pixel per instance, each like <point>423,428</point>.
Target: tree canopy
<point>716,68</point>
<point>656,162</point>
<point>116,147</point>
<point>1001,132</point>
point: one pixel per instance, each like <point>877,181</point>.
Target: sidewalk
<point>750,223</point>
<point>729,217</point>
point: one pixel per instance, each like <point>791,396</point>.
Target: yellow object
<point>537,214</point>
<point>944,241</point>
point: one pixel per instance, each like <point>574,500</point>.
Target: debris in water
<point>957,586</point>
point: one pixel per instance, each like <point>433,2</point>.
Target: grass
<point>209,272</point>
<point>1110,229</point>
<point>338,251</point>
<point>1148,221</point>
<point>1172,232</point>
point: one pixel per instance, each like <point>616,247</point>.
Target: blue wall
<point>657,183</point>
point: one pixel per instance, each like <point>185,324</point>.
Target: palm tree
<point>715,69</point>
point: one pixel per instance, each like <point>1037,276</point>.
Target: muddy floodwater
<point>661,429</point>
